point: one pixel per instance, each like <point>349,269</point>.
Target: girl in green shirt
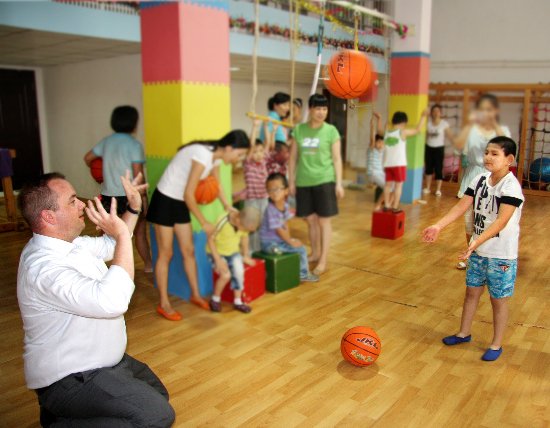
<point>315,176</point>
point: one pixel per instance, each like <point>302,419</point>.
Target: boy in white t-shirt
<point>395,156</point>
<point>497,201</point>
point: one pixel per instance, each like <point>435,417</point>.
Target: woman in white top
<point>482,126</point>
<point>437,130</point>
<point>174,199</point>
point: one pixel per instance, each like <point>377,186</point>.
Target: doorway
<point>19,123</point>
<point>337,116</point>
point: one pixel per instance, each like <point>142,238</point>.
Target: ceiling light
<point>234,68</point>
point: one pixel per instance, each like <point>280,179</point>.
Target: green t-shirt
<point>315,164</point>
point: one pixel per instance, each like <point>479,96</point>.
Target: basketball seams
<point>366,350</point>
<point>353,360</point>
<point>364,334</point>
<point>336,86</point>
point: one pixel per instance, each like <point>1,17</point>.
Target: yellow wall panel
<point>205,112</point>
<point>162,106</point>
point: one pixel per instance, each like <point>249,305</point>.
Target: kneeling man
<point>73,312</point>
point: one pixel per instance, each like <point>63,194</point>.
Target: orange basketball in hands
<point>207,190</point>
<point>96,168</point>
<point>360,346</point>
<point>348,74</point>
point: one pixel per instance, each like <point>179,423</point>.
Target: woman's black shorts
<point>166,211</point>
<point>320,200</point>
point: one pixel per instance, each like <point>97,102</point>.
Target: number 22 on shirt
<point>311,145</point>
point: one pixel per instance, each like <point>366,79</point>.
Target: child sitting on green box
<point>274,232</point>
<point>225,256</point>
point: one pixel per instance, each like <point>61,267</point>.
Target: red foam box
<point>386,224</point>
<point>254,283</point>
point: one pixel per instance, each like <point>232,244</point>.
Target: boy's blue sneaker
<point>491,354</point>
<point>455,340</point>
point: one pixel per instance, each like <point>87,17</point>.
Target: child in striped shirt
<point>255,176</point>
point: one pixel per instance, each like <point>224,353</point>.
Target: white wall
<point>490,41</point>
<point>79,101</point>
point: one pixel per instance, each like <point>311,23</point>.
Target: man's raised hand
<point>109,223</point>
<point>133,189</point>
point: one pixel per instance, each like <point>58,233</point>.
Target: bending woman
<point>174,199</point>
<point>315,171</point>
<point>482,126</point>
<point>434,158</point>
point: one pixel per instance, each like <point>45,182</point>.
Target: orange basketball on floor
<point>360,346</point>
<point>207,190</point>
<point>348,74</point>
<point>96,168</point>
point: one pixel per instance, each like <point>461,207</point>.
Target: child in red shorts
<point>395,156</point>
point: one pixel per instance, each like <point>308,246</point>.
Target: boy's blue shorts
<point>498,274</point>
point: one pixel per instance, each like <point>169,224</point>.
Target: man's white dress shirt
<point>72,307</point>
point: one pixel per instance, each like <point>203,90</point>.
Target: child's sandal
<point>215,306</point>
<point>245,309</point>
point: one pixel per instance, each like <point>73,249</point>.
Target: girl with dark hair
<point>278,106</point>
<point>174,199</point>
<point>437,130</point>
<point>482,126</point>
<point>315,177</point>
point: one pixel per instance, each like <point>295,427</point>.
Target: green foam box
<point>282,271</point>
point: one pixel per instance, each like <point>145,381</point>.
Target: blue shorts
<point>498,274</point>
<point>236,267</point>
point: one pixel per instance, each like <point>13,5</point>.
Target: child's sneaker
<point>310,278</point>
<point>245,309</point>
<point>455,340</point>
<point>491,354</point>
<point>274,250</point>
<point>215,306</point>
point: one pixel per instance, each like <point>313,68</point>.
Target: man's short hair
<point>250,218</point>
<point>36,196</point>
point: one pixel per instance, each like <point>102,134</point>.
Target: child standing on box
<point>497,201</point>
<point>120,152</point>
<point>255,175</point>
<point>225,256</point>
<point>395,156</point>
<point>375,157</point>
<point>274,231</point>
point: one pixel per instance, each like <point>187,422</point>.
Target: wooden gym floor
<point>281,365</point>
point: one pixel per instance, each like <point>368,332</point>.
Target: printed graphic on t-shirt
<point>311,145</point>
<point>391,141</point>
<point>433,134</point>
<point>486,205</point>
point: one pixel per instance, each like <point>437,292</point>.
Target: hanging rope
<point>252,112</point>
<point>292,44</point>
<point>320,39</point>
<point>255,57</point>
